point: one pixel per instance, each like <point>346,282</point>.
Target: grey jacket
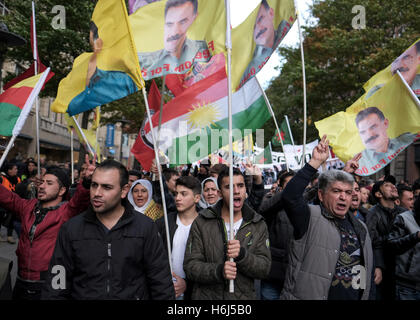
<point>313,258</point>
<point>205,255</point>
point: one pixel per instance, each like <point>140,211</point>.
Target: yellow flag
<point>89,134</point>
<point>387,123</point>
<point>110,72</point>
<point>408,63</point>
<point>171,36</point>
<point>256,39</point>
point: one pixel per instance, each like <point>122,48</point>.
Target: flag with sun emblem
<point>197,120</point>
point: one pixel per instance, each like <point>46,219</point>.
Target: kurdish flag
<point>16,102</point>
<point>198,120</point>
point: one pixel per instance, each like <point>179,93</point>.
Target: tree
<point>57,47</point>
<point>339,59</point>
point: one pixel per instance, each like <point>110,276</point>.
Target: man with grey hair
<point>331,253</point>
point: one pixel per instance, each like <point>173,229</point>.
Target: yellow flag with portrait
<point>380,127</point>
<point>110,72</point>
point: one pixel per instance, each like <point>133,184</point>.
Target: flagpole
<point>410,91</point>
<point>229,70</point>
<point>84,137</point>
<point>162,191</point>
<point>71,155</point>
<point>304,82</point>
<point>275,121</point>
<point>161,107</point>
<point>35,56</point>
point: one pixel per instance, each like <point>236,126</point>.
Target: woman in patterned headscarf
<point>140,197</point>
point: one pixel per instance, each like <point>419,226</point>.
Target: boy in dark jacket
<point>110,251</point>
<point>209,249</point>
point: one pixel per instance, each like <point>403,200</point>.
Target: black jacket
<point>405,243</point>
<point>280,232</point>
<point>379,221</point>
<point>127,262</point>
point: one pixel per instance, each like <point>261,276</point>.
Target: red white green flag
<point>195,123</point>
<point>16,102</point>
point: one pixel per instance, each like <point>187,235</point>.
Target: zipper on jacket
<point>109,268</point>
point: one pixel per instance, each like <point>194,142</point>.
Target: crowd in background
<point>389,209</point>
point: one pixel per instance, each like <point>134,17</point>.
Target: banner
<point>171,36</point>
<point>111,72</point>
<point>380,127</point>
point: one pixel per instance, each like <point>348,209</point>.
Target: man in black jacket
<point>109,251</point>
<point>379,222</point>
<point>404,240</point>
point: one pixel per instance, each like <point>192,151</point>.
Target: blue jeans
<point>406,293</point>
<point>269,291</point>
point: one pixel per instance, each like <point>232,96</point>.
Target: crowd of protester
<point>328,236</point>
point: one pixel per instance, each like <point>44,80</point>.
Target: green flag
<point>285,135</point>
<point>264,157</point>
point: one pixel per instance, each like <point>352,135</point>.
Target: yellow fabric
<point>28,82</point>
<point>97,118</point>
<point>118,53</point>
<point>153,211</point>
<point>148,25</point>
<point>89,134</point>
<point>392,99</point>
<point>243,43</point>
<point>384,75</point>
<point>210,25</point>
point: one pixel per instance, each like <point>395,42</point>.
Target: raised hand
<point>320,153</point>
<point>353,164</point>
<point>90,167</point>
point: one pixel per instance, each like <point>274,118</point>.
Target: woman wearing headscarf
<point>141,198</point>
<point>209,193</point>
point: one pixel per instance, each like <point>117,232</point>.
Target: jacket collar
<point>126,218</point>
<point>215,212</point>
<point>358,228</point>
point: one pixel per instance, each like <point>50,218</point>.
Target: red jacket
<point>34,258</point>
